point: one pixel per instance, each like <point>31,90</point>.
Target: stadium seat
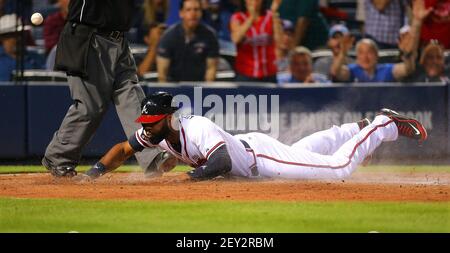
<point>36,75</point>
<point>38,35</point>
<point>385,55</point>
<point>139,51</point>
<point>221,76</point>
<point>388,56</point>
<point>316,54</point>
<point>37,50</point>
<point>150,77</point>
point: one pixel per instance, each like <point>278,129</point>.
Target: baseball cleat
<point>60,171</point>
<point>407,127</point>
<point>363,123</point>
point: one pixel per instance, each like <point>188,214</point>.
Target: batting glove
<point>96,171</point>
<point>197,173</point>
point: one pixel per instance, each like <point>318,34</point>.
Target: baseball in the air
<point>37,18</point>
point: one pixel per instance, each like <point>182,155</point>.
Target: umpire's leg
<point>78,126</point>
<point>91,97</point>
<point>127,98</point>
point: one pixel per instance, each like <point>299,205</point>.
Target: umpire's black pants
<point>111,77</point>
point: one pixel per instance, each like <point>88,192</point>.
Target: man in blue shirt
<point>10,49</point>
<point>366,69</point>
<point>189,50</point>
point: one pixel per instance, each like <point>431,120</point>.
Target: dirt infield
<point>362,186</point>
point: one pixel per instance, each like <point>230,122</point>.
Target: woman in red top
<point>437,25</point>
<point>256,32</point>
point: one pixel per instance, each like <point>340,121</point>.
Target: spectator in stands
<point>152,12</point>
<point>10,49</point>
<point>217,14</point>
<point>210,14</point>
<point>311,28</point>
<point>189,50</point>
<point>25,8</point>
<point>437,24</point>
<point>286,45</point>
<point>384,18</point>
<point>155,11</point>
<point>360,14</point>
<point>323,64</point>
<point>54,25</point>
<point>256,33</point>
<point>301,68</point>
<point>432,65</point>
<point>366,68</point>
<point>151,40</point>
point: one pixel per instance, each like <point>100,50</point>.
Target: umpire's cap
<point>155,107</point>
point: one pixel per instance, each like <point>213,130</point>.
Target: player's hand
<point>96,171</point>
<point>197,173</point>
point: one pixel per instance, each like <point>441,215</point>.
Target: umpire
<point>95,55</point>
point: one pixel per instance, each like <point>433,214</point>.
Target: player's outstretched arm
<point>219,163</point>
<point>115,157</point>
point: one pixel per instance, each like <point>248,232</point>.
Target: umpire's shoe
<point>408,127</point>
<point>59,171</point>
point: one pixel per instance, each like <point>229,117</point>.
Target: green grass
<point>42,215</point>
<point>131,168</point>
<point>59,215</point>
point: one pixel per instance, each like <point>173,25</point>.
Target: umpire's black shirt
<point>112,15</point>
<point>188,58</point>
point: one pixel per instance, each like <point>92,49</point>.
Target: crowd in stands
<point>274,41</point>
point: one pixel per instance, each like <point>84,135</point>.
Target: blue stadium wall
<point>31,114</point>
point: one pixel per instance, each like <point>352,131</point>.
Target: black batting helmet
<point>155,107</point>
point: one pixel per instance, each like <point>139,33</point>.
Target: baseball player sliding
<point>330,154</point>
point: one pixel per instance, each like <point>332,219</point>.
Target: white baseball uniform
<point>329,154</point>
